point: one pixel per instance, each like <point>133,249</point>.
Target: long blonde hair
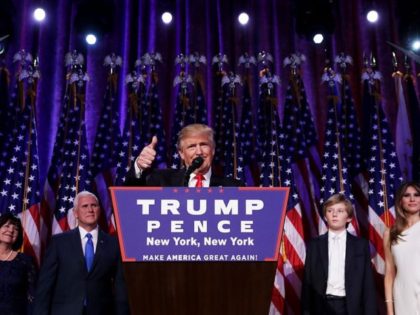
<point>401,219</point>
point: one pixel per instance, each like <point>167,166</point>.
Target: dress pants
<point>336,305</point>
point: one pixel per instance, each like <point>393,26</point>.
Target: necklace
<point>8,256</point>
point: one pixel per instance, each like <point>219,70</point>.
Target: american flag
<point>219,60</point>
<point>297,116</point>
<point>73,61</point>
<point>153,120</point>
<point>300,141</point>
<point>248,127</point>
<point>74,175</point>
<point>248,130</point>
<point>414,110</point>
<point>190,106</point>
<point>270,135</point>
<point>232,161</point>
<point>403,136</point>
<point>383,167</point>
<point>19,187</point>
<point>108,139</point>
<point>155,124</point>
<point>290,267</point>
<point>349,124</point>
<point>278,295</point>
<point>198,100</point>
<point>184,112</point>
<point>276,171</point>
<point>5,107</point>
<point>132,137</point>
<point>197,96</point>
<point>335,172</point>
<point>352,146</point>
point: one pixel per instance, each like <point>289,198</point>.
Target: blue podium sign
<point>199,224</point>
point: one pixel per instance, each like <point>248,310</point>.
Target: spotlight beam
<point>4,37</point>
<point>2,46</point>
<point>408,53</point>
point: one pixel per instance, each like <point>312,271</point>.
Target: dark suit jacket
<point>64,282</point>
<point>173,178</point>
<point>359,285</point>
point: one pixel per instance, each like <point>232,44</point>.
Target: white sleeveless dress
<point>406,255</point>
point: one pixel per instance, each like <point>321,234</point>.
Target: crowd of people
<point>82,270</point>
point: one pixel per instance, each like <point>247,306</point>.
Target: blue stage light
<point>415,45</point>
<point>167,17</point>
<point>91,39</point>
<point>243,18</point>
<point>39,14</point>
<point>372,16</point>
<point>318,38</point>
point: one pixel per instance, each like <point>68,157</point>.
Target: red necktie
<point>199,177</point>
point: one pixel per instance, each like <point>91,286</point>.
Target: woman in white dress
<point>402,254</point>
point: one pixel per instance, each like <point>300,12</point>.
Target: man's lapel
<point>76,245</point>
<point>323,248</point>
<point>216,181</point>
<point>100,249</point>
<point>350,250</point>
<point>178,178</point>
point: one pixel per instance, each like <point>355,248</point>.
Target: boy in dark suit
<point>338,274</point>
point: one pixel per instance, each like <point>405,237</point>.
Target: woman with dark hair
<point>402,254</point>
<point>17,271</point>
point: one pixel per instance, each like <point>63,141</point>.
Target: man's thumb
<point>153,143</point>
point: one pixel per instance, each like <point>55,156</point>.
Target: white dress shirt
<point>137,170</point>
<point>336,263</point>
<point>206,179</point>
<point>84,239</point>
<point>191,183</point>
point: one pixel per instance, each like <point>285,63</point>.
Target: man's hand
<point>147,155</point>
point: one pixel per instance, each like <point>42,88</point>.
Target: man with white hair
<point>82,270</point>
<point>196,147</point>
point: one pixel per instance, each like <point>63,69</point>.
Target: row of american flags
<point>358,158</point>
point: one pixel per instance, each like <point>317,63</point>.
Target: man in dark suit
<point>82,271</point>
<point>194,141</point>
<point>338,273</point>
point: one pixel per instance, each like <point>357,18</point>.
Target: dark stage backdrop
<point>134,28</point>
<point>207,27</point>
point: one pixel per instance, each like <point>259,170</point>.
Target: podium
<point>225,265</point>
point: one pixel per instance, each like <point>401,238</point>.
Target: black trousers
<point>336,305</point>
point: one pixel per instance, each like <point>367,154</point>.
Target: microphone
<point>196,163</point>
